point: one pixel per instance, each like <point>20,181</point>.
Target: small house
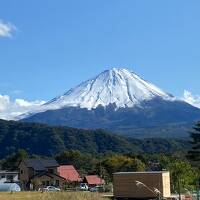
<point>93,180</point>
<point>70,174</point>
<point>36,173</point>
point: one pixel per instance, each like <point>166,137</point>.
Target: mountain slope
<point>40,139</point>
<point>155,119</point>
<point>120,101</point>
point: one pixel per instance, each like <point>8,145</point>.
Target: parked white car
<point>51,189</point>
<point>83,187</point>
<point>97,189</point>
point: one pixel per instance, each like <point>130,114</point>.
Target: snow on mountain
<point>115,86</point>
<point>119,86</point>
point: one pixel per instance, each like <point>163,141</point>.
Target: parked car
<point>97,188</point>
<point>51,189</point>
<point>83,187</point>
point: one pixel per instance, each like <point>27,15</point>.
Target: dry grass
<point>52,196</point>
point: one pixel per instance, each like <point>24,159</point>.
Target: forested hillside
<point>40,139</point>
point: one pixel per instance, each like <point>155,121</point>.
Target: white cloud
<point>11,109</point>
<point>6,29</point>
<point>191,99</point>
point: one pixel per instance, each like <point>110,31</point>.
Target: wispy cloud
<point>11,109</point>
<point>6,29</point>
<point>17,92</point>
<point>191,99</point>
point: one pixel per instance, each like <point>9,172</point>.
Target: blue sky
<point>55,45</point>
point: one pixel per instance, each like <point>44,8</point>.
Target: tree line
<point>184,166</point>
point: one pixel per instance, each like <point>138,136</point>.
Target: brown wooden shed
<point>141,185</point>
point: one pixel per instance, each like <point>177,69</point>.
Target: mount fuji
<point>120,101</point>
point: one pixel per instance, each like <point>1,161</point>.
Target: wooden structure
<point>37,173</point>
<point>141,185</point>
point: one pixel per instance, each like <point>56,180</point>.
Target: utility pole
<point>198,186</point>
<point>179,189</point>
<point>100,169</point>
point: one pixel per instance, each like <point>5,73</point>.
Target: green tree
<point>83,162</point>
<point>194,153</point>
<point>183,174</point>
<point>117,163</point>
<point>12,162</point>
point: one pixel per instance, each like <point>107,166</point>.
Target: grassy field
<point>52,196</point>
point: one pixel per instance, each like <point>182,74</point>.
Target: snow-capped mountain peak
<point>141,109</point>
<point>115,86</point>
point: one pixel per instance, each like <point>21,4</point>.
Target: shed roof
<point>147,172</point>
<point>40,164</point>
<point>69,173</point>
<point>94,180</point>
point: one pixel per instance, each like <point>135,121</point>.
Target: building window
<point>47,183</point>
<point>3,176</point>
<point>10,177</point>
<point>51,171</point>
<point>57,182</point>
<point>21,171</point>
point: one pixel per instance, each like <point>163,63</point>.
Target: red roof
<point>94,180</point>
<point>69,173</point>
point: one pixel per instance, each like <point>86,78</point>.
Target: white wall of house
<point>8,177</point>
